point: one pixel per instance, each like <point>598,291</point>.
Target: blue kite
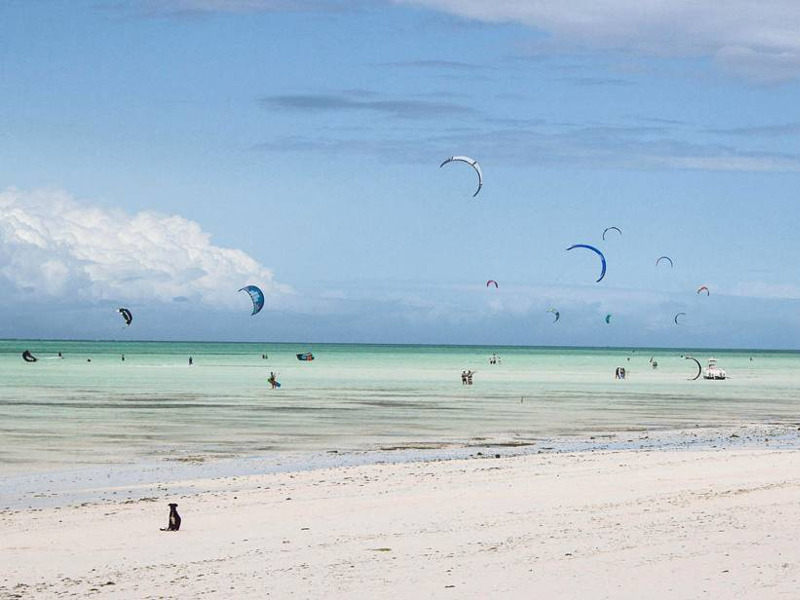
<point>600,254</point>
<point>256,295</point>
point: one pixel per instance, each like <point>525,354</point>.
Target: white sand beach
<point>692,523</point>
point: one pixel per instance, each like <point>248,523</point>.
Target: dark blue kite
<point>256,295</point>
<point>600,254</point>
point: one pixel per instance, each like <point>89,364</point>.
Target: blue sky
<point>160,155</point>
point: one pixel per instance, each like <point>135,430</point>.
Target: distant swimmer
<point>174,519</point>
<point>59,355</point>
<point>123,358</point>
<point>191,361</point>
<point>88,360</point>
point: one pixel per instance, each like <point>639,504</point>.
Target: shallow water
<point>58,414</point>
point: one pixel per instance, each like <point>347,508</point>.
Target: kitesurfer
<point>272,380</point>
<point>191,361</point>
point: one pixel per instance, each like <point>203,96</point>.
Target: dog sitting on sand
<point>174,519</point>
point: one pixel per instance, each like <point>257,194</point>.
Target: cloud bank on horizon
<point>52,245</point>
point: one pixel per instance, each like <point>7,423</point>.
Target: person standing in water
<point>272,380</point>
<point>191,362</point>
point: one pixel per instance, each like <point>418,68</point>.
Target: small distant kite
<point>667,258</point>
<point>607,229</point>
<point>126,315</point>
<point>472,163</point>
<point>680,314</point>
<point>256,295</point>
<point>556,314</point>
<point>699,367</point>
<point>703,288</point>
<point>491,282</point>
<point>28,357</point>
<point>600,254</point>
<point>608,318</point>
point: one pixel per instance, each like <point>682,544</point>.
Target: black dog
<point>174,519</point>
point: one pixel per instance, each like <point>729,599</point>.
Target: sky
<point>160,155</point>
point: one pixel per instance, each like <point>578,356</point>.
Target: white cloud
<point>55,246</point>
<point>756,39</point>
<point>764,290</point>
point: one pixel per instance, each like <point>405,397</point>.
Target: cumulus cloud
<point>55,246</point>
<point>757,40</point>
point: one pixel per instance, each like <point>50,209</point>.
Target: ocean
<point>68,413</point>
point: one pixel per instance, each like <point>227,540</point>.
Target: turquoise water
<point>62,413</point>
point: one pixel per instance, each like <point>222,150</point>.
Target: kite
<point>472,163</point>
<point>28,357</point>
<point>703,288</point>
<point>600,254</point>
<point>660,258</point>
<point>127,315</point>
<point>490,282</point>
<point>699,368</point>
<point>556,314</point>
<point>678,315</point>
<point>256,295</point>
<point>608,318</point>
<point>607,229</point>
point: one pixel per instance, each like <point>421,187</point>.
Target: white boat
<point>713,371</point>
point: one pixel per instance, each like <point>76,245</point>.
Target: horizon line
<point>393,344</point>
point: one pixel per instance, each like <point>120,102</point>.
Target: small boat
<point>713,371</point>
<point>305,356</point>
